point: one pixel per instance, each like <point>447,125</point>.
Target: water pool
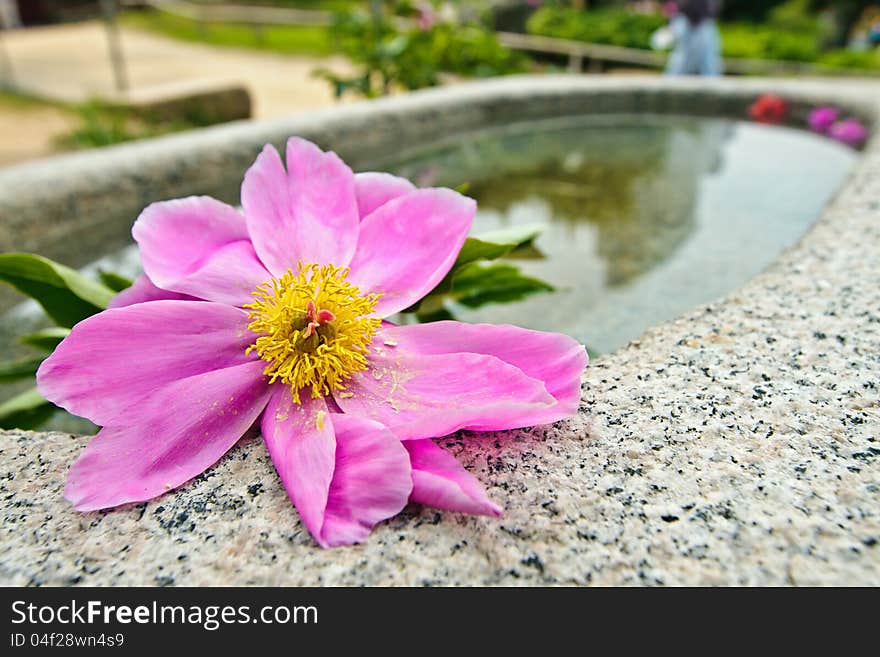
<point>645,217</point>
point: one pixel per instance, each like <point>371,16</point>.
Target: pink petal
<point>114,360</point>
<point>199,246</point>
<point>409,244</point>
<point>344,474</point>
<point>426,396</point>
<point>167,438</point>
<point>303,449</point>
<point>374,189</point>
<point>372,480</point>
<point>553,358</point>
<point>441,482</point>
<point>141,290</point>
<point>308,213</point>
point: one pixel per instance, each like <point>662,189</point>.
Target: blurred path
<point>71,63</point>
<point>28,132</point>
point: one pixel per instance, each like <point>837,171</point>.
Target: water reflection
<point>644,215</point>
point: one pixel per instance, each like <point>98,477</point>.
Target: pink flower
<point>273,315</point>
<point>426,18</point>
<point>822,118</point>
<point>849,132</point>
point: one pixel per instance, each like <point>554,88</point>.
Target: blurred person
<point>871,20</point>
<point>874,34</point>
<point>9,17</point>
<point>697,41</point>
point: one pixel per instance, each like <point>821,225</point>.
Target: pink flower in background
<point>427,17</point>
<point>274,316</point>
<point>849,132</point>
<point>822,118</point>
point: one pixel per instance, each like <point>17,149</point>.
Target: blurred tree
<point>394,53</point>
<point>846,14</point>
<point>751,10</point>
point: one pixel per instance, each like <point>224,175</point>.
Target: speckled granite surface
<point>736,445</point>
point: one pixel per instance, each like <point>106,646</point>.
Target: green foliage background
<point>792,30</point>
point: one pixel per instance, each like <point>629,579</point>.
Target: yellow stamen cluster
<point>313,328</point>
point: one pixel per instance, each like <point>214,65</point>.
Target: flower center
<point>313,328</point>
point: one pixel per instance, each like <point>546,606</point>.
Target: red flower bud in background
<point>770,109</point>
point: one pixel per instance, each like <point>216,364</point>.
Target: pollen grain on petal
<point>313,328</point>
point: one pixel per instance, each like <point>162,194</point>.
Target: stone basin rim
<point>189,162</point>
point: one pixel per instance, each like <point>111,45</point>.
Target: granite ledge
<point>736,445</point>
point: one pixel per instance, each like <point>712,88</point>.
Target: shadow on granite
<point>735,445</point>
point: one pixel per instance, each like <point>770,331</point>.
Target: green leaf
<point>497,244</point>
<point>517,240</point>
<point>25,411</point>
<point>477,249</point>
<point>526,252</point>
<point>47,339</point>
<point>516,235</point>
<point>361,84</point>
<point>66,295</point>
<point>394,47</point>
<point>13,370</point>
<point>434,316</point>
<point>114,281</point>
<point>476,285</point>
